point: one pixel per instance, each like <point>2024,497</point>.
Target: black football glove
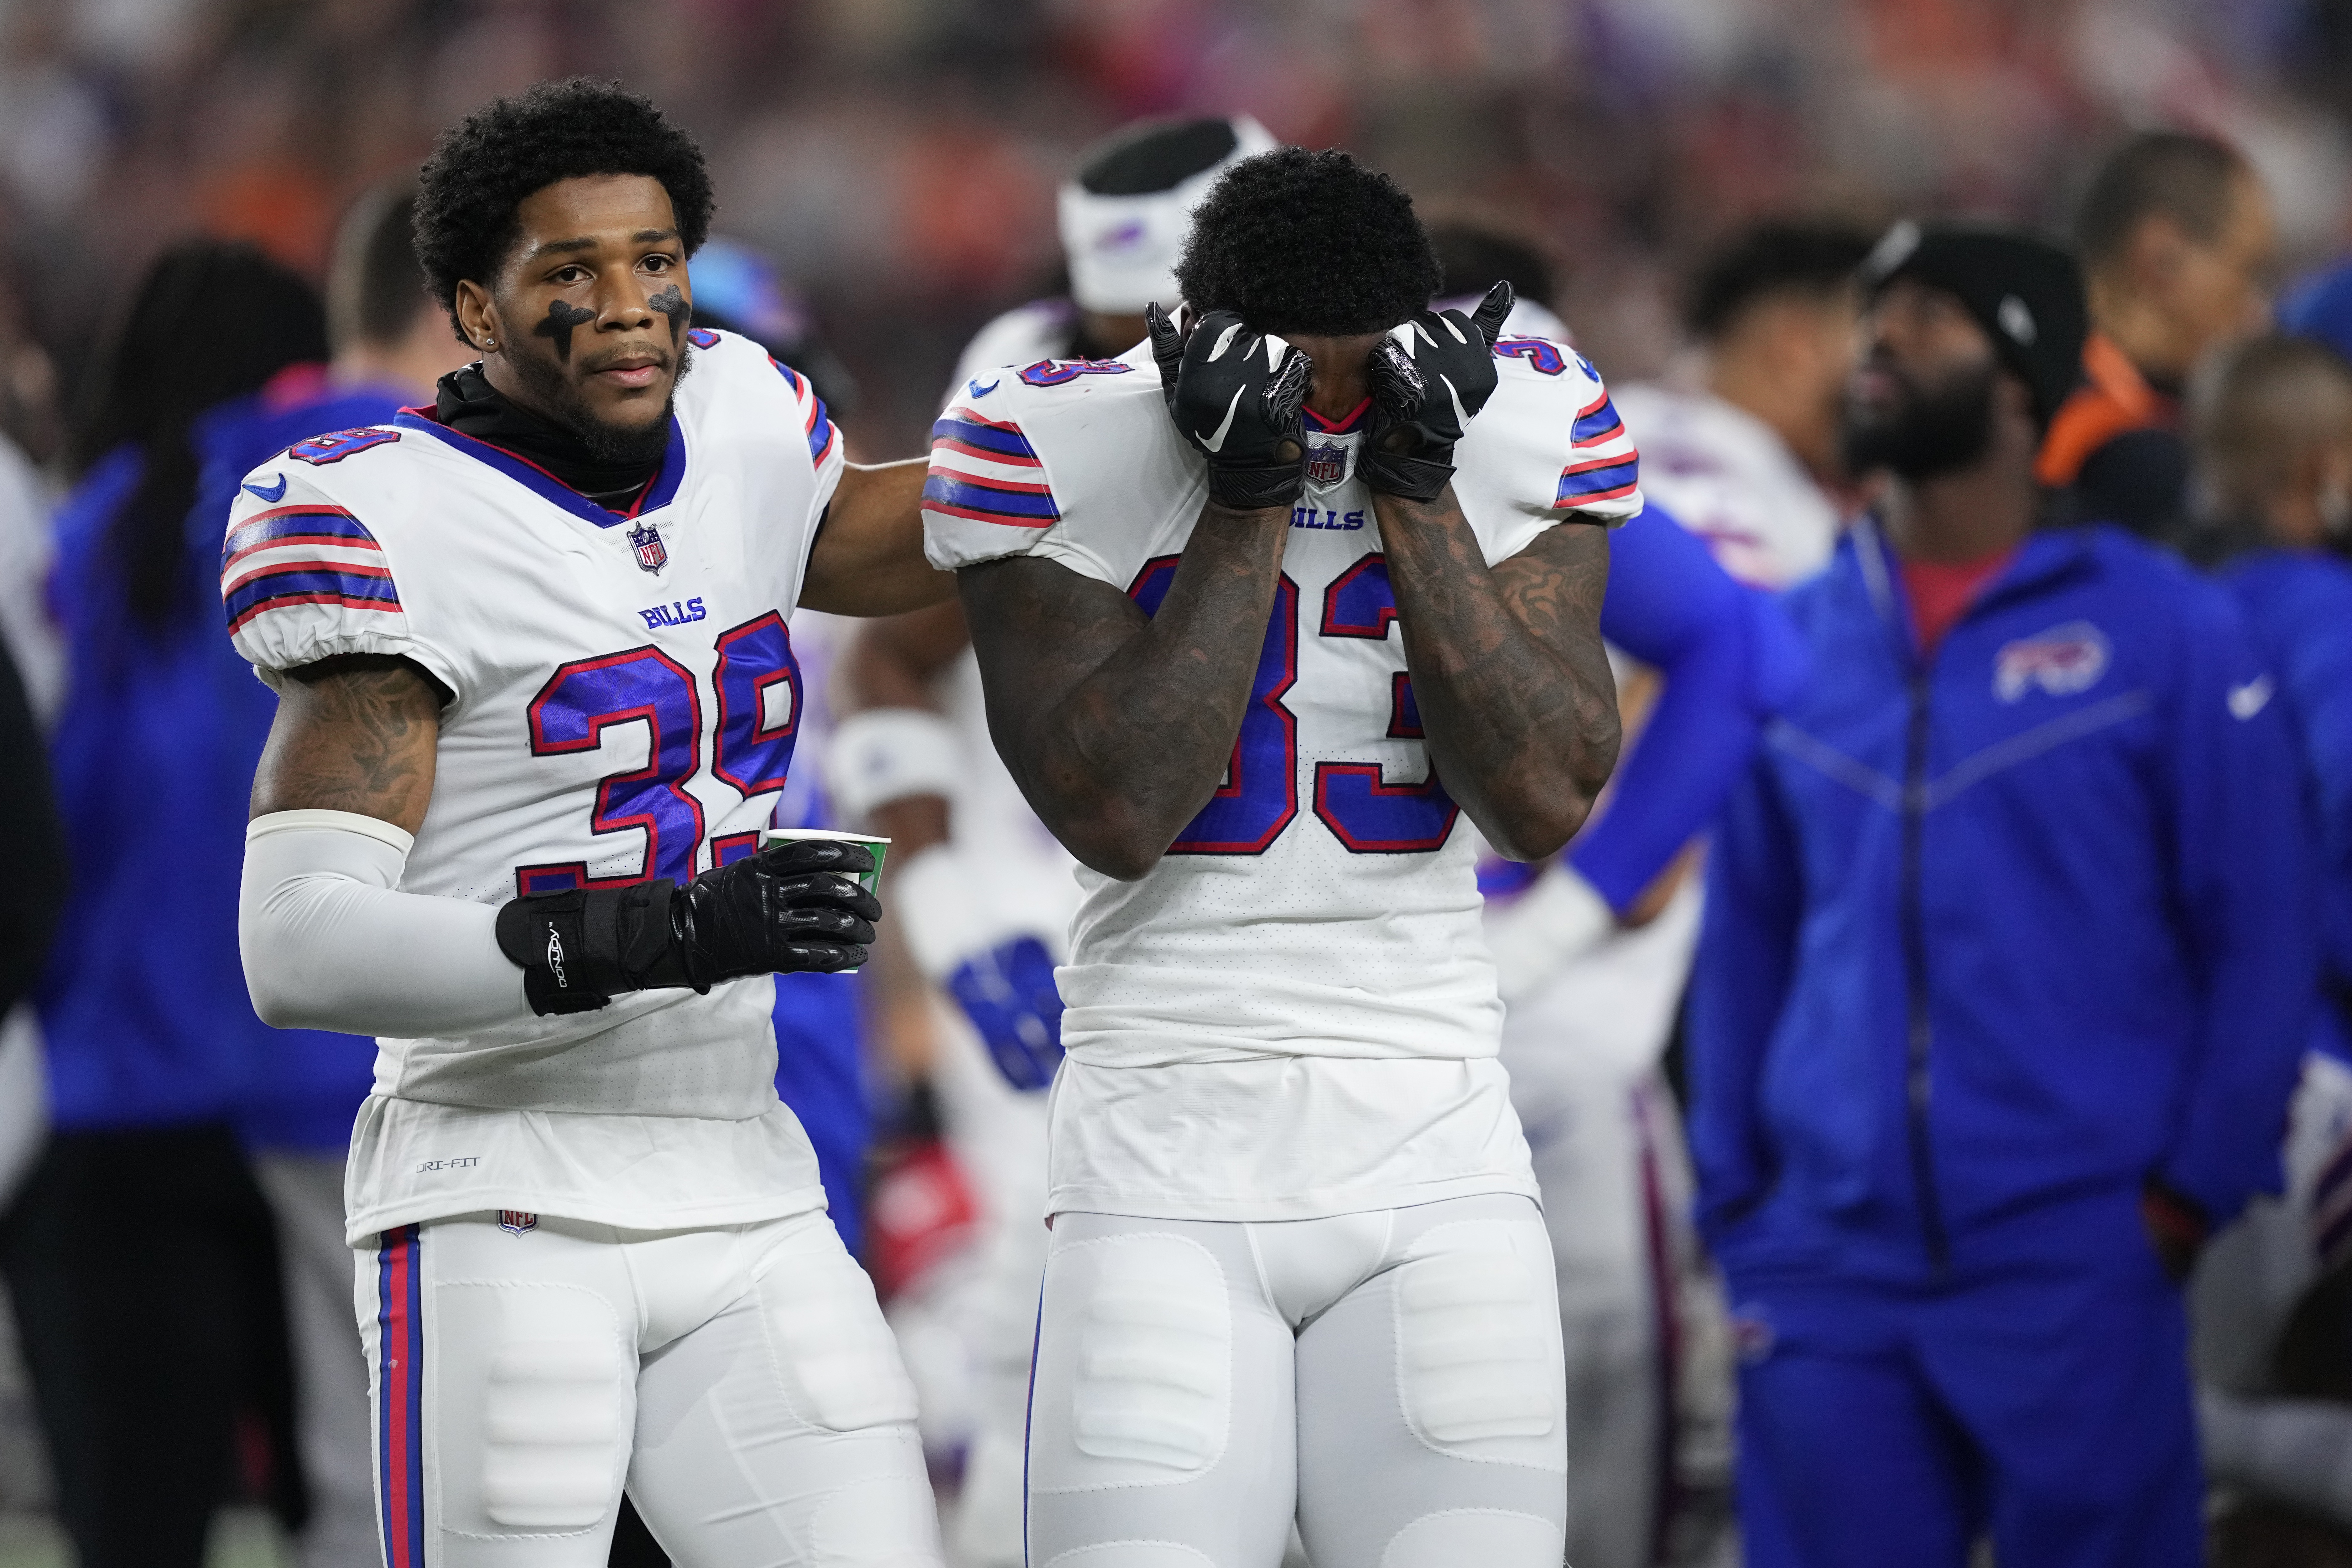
<point>1430,379</point>
<point>792,906</point>
<point>1235,395</point>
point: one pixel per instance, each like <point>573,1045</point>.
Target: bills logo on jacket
<point>2062,661</point>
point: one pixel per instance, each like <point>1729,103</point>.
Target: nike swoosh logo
<point>277,494</point>
<point>2251,698</point>
<point>1216,443</point>
<point>979,390</point>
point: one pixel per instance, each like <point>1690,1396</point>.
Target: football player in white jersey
<point>1742,441</point>
<point>982,892</point>
<point>538,699</point>
<point>1229,644</point>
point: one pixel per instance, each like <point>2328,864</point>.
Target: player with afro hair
<point>485,165</point>
<point>1309,243</point>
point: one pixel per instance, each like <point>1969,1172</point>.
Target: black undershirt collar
<point>469,404</point>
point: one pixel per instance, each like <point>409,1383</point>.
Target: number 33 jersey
<point>1315,928</point>
<point>622,704</point>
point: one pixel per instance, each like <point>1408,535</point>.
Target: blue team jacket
<point>1992,931</point>
<point>143,1006</point>
<point>2299,608</point>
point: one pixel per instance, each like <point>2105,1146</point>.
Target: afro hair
<point>483,167</point>
<point>1312,243</point>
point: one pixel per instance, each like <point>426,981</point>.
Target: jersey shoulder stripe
<point>986,471</point>
<point>1588,480</point>
<point>1596,422</point>
<point>308,554</point>
<point>818,423</point>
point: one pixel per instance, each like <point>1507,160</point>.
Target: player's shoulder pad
<point>1549,404</point>
<point>1020,450</point>
<point>731,370</point>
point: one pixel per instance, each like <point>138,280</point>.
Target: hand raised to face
<point>1236,396</point>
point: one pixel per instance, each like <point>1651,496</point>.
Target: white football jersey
<point>1324,904</point>
<point>1729,478</point>
<point>623,705</point>
<point>1041,329</point>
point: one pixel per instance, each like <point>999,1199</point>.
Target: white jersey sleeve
<point>1110,473</point>
<point>303,575</point>
<point>1547,448</point>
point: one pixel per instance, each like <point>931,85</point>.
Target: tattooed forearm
<point>1515,692</point>
<point>1120,727</point>
<point>353,733</point>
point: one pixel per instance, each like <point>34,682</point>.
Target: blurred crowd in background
<point>898,157</point>
<point>896,162</point>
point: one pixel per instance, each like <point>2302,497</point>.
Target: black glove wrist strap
<point>1414,478</point>
<point>1256,489</point>
<point>580,949</point>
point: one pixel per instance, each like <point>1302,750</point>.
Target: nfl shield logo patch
<point>652,554</point>
<point>515,1221</point>
<point>1327,464</point>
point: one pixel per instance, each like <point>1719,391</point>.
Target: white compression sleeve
<point>330,943</point>
<point>2297,1451</point>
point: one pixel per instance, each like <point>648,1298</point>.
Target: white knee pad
<point>840,1365</point>
<point>1492,1538</point>
<point>553,1392</point>
<point>1477,1331</point>
<point>1140,1374</point>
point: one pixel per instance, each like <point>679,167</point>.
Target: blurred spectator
<point>2007,967</point>
<point>1124,216</point>
<point>303,1087</point>
<point>2273,1303</point>
<point>738,289</point>
<point>1744,446</point>
<point>1590,952</point>
<point>143,1194</point>
<point>2179,246</point>
<point>2319,306</point>
<point>35,850</point>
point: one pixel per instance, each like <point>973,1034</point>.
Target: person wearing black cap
<point>2003,982</point>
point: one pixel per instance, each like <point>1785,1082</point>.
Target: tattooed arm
<point>353,734</point>
<point>329,940</point>
<point>1508,668</point>
<point>1118,726</point>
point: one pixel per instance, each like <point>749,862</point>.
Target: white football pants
<point>998,1133</point>
<point>1392,1378</point>
<point>739,1381</point>
<point>1642,1312</point>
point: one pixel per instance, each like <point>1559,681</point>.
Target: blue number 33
<point>1259,797</point>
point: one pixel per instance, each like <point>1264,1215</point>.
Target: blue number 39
<point>1259,796</point>
<point>587,696</point>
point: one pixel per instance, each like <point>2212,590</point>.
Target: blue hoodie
<point>2298,606</point>
<point>2022,921</point>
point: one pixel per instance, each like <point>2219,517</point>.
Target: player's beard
<point>1932,431</point>
<point>557,396</point>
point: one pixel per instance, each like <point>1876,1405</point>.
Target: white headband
<point>1123,249</point>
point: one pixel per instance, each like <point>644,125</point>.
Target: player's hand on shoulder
<point>1430,378</point>
<point>1236,396</point>
<point>792,906</point>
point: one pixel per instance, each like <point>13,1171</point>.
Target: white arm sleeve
<point>329,942</point>
<point>2296,1450</point>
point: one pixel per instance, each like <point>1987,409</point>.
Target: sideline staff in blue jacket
<point>2005,977</point>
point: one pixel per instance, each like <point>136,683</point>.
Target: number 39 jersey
<point>623,703</point>
<point>1323,905</point>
